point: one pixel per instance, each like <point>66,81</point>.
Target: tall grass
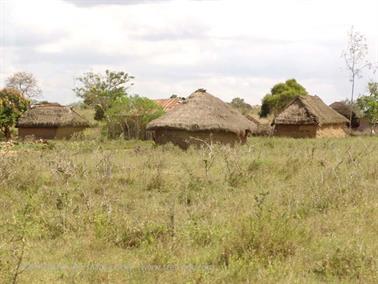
<point>274,210</point>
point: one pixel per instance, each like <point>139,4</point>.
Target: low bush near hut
<point>273,210</point>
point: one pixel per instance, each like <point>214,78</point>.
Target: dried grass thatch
<point>204,112</point>
<point>264,125</point>
<point>346,110</point>
<point>51,115</point>
<point>309,110</point>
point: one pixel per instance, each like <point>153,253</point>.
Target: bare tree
<point>355,60</point>
<point>26,83</point>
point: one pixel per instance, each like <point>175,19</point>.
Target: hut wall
<point>295,131</point>
<point>48,133</point>
<point>37,133</point>
<point>332,131</point>
<point>67,132</point>
<point>184,139</point>
<point>364,125</point>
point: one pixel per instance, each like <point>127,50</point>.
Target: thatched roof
<point>51,115</point>
<point>260,120</point>
<point>264,124</point>
<point>343,108</point>
<point>309,110</point>
<point>202,111</point>
<point>346,110</point>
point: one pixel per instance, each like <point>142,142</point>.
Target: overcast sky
<point>232,48</point>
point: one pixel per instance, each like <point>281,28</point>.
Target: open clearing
<point>274,210</point>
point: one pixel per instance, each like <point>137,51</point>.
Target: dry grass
<point>274,210</point>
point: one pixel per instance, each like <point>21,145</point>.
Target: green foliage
<point>130,115</point>
<point>266,237</point>
<point>369,104</point>
<point>12,105</point>
<point>241,105</point>
<point>280,95</point>
<point>99,112</point>
<point>101,91</point>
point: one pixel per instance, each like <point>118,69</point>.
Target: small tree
<point>369,105</point>
<point>101,91</point>
<point>25,83</point>
<point>131,114</point>
<point>12,105</point>
<point>355,60</point>
<point>280,95</point>
<point>241,105</point>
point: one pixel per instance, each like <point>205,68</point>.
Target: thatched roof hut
<point>49,121</point>
<point>346,110</point>
<point>264,125</point>
<point>201,117</point>
<point>309,116</point>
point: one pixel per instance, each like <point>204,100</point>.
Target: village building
<point>169,104</point>
<point>264,125</point>
<point>309,117</point>
<point>346,110</point>
<point>201,118</point>
<point>50,121</point>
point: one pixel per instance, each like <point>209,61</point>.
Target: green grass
<point>274,210</point>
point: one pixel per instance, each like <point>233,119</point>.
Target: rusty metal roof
<point>169,104</point>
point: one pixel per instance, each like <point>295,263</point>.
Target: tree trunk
<point>351,103</point>
<point>7,133</point>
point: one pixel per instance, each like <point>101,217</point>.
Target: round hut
<point>50,121</point>
<point>346,110</point>
<point>202,118</point>
<point>309,117</point>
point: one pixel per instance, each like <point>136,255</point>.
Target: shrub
<point>344,263</point>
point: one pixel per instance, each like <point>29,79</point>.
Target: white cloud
<point>231,47</point>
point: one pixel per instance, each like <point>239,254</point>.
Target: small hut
<point>309,117</point>
<point>50,121</point>
<point>346,110</point>
<point>201,118</point>
<point>264,125</point>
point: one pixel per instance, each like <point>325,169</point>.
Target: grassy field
<point>274,210</point>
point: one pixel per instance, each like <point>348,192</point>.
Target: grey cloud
<point>88,3</point>
<point>24,38</point>
<point>71,57</point>
<point>187,33</point>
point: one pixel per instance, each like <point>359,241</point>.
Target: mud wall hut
<point>309,117</point>
<point>201,118</point>
<point>346,111</point>
<point>264,125</point>
<point>50,121</point>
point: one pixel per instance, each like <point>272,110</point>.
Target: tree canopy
<point>241,105</point>
<point>25,83</point>
<point>369,103</point>
<point>12,105</point>
<point>280,95</point>
<point>101,91</point>
<point>130,114</point>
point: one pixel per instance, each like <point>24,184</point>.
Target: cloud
<point>25,38</point>
<point>88,3</point>
<point>230,47</point>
